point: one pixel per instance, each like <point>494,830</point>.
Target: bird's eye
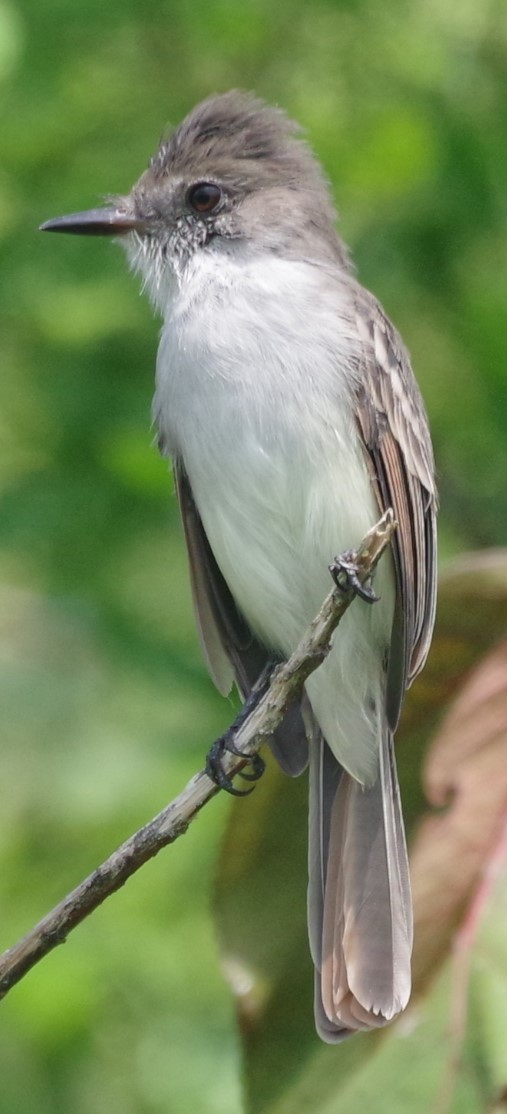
<point>204,197</point>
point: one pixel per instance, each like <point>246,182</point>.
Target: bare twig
<point>247,734</point>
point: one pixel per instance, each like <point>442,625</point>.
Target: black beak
<point>96,222</point>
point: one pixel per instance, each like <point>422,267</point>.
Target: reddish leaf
<point>467,762</point>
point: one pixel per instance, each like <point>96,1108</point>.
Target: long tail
<point>359,902</point>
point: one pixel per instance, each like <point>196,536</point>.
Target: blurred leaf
<point>401,1071</point>
<point>488,984</point>
<point>466,766</point>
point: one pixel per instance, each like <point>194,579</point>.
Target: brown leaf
<point>467,762</point>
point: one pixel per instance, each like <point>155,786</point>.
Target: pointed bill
<point>97,222</point>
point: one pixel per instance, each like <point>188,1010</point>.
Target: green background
<point>106,706</point>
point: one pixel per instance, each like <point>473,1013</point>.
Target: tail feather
<point>360,909</point>
<point>325,774</point>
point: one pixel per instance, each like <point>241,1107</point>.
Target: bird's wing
<point>231,651</point>
<point>360,913</point>
<point>393,424</point>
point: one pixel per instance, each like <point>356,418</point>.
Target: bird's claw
<point>217,774</point>
<point>345,575</point>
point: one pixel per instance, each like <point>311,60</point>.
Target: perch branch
<point>247,734</point>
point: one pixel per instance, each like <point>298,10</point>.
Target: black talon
<point>344,573</point>
<point>215,756</point>
<point>258,766</point>
<point>215,770</point>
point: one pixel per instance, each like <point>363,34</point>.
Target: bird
<point>286,400</point>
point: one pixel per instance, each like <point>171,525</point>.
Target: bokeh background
<point>106,705</point>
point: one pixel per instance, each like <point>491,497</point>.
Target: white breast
<point>255,373</point>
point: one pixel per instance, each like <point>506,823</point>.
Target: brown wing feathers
<point>393,425</point>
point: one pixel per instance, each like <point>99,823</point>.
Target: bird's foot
<point>215,756</point>
<point>344,572</point>
<point>216,772</point>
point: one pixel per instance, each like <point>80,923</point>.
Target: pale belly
<point>257,404</point>
<point>275,522</point>
<point>274,525</point>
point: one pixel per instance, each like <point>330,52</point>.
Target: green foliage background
<point>106,706</point>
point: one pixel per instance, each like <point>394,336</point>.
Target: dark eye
<point>204,197</point>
